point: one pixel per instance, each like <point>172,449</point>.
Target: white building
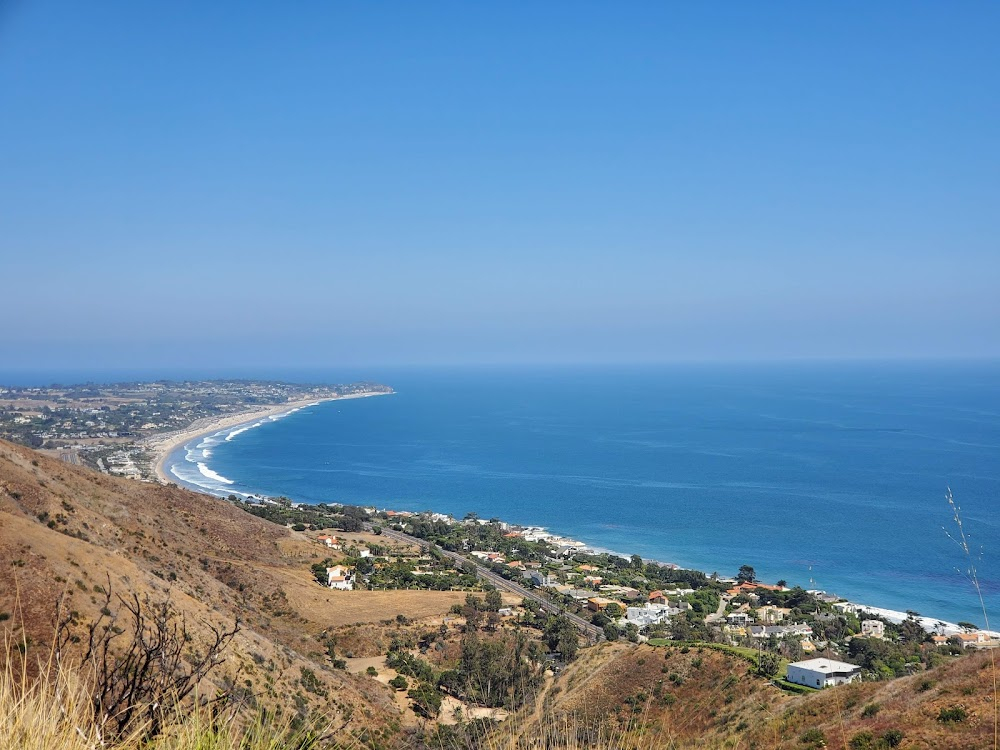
<point>873,629</point>
<point>340,577</point>
<point>820,673</point>
<point>650,614</point>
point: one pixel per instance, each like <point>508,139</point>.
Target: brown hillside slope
<point>618,695</point>
<point>66,531</point>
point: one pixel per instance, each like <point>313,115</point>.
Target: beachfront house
<point>971,640</point>
<point>340,577</point>
<point>821,673</point>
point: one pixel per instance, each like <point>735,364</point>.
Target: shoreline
<point>163,445</point>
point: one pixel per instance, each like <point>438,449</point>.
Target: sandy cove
<point>161,446</point>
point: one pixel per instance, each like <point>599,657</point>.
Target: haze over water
<point>832,473</point>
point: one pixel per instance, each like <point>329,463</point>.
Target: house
<point>780,631</point>
<point>749,588</point>
<point>971,640</point>
<point>600,603</point>
<point>771,615</point>
<point>649,614</point>
<point>820,673</point>
<point>539,578</point>
<point>340,577</point>
<point>738,619</point>
<point>593,580</point>
<point>873,629</point>
<point>657,597</point>
<point>365,553</point>
<point>330,541</point>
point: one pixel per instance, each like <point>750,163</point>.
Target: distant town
<point>106,426</point>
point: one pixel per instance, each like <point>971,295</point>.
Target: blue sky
<point>322,184</point>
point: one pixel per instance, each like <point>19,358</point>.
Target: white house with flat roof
<point>873,629</point>
<point>821,673</point>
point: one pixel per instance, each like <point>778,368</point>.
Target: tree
<point>613,610</point>
<point>768,664</point>
<point>493,600</point>
<point>747,574</point>
<point>611,631</point>
<point>782,584</point>
<point>636,562</point>
<point>142,660</point>
<point>426,700</point>
<point>399,682</point>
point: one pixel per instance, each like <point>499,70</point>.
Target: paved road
<point>592,632</point>
<point>717,615</point>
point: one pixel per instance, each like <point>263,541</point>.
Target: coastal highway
<point>590,631</point>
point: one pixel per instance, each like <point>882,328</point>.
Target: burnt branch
<point>143,660</point>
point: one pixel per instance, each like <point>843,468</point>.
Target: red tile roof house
<point>968,640</point>
<point>340,577</point>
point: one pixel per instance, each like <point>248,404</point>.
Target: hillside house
<point>649,614</point>
<point>821,673</point>
<point>340,577</point>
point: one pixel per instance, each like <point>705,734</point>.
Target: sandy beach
<point>161,446</point>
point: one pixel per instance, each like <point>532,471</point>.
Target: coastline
<point>162,445</point>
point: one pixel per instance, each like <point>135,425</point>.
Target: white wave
<point>241,430</point>
<point>215,476</point>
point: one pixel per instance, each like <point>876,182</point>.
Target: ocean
<point>828,476</point>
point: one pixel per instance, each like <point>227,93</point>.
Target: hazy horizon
<point>357,186</point>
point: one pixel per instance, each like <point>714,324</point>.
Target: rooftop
<point>826,666</point>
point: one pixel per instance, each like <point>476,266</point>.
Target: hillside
<point>626,696</point>
<point>66,532</point>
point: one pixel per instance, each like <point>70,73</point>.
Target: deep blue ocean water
<point>828,476</point>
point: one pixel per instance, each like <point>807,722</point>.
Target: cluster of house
<point>766,621</point>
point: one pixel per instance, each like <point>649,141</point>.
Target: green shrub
<point>870,711</point>
<point>952,714</point>
<point>813,738</point>
<point>893,737</point>
<point>863,741</point>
